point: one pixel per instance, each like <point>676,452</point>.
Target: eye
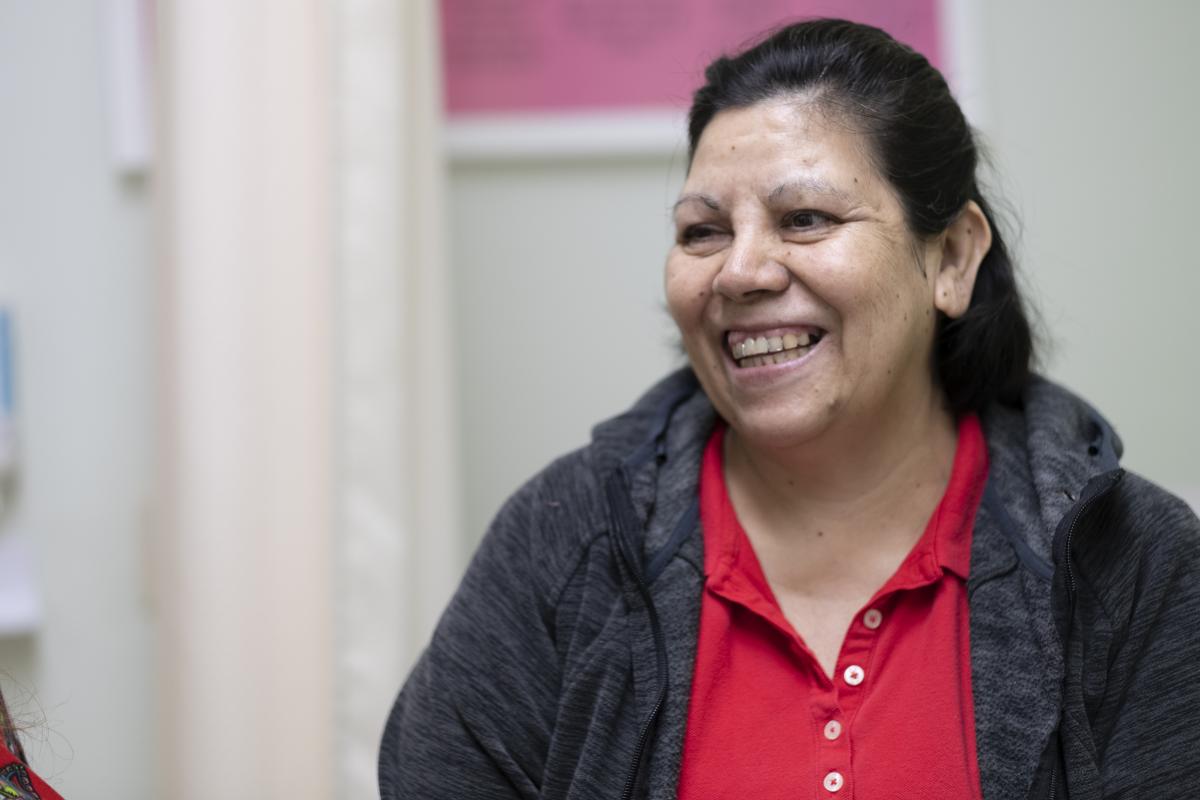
<point>695,234</point>
<point>807,220</point>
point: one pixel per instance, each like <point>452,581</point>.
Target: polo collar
<point>730,565</point>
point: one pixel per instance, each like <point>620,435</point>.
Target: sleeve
<point>474,718</point>
<point>1151,699</point>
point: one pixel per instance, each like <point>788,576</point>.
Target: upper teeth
<point>772,344</point>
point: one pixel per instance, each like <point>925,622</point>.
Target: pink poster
<point>530,56</point>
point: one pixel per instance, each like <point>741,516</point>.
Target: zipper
<point>1099,487</point>
<point>648,725</point>
<point>1095,490</point>
<point>1067,550</point>
<point>625,520</point>
<point>643,737</point>
<point>1110,479</point>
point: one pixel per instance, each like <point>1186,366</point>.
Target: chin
<point>779,429</point>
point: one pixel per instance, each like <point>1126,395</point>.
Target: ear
<point>963,246</point>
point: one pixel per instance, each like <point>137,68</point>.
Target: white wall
<point>237,307</point>
<point>75,263</point>
<point>1094,121</point>
<point>560,319</point>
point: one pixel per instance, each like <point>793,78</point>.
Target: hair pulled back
<point>922,144</point>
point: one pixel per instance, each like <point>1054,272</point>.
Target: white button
<point>854,675</point>
<point>833,729</point>
<point>834,781</point>
<point>873,618</point>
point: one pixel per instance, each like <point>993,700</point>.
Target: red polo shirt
<point>897,718</point>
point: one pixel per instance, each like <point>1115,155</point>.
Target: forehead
<point>784,142</point>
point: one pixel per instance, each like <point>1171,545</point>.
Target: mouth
<point>760,349</point>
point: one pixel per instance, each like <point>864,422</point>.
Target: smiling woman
<point>782,202</point>
<point>855,509</point>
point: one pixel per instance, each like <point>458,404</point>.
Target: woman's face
<point>805,304</point>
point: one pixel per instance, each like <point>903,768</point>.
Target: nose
<point>750,270</point>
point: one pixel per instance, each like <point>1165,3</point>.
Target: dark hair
<point>922,144</point>
<point>8,732</point>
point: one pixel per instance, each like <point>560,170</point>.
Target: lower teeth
<point>774,358</point>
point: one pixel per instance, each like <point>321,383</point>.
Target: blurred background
<point>294,294</point>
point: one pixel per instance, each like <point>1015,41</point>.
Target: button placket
<point>850,678</point>
<point>848,686</point>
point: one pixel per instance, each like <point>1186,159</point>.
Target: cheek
<point>880,308</point>
<point>687,293</point>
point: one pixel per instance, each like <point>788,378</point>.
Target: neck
<point>848,479</point>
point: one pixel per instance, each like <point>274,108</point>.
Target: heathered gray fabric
<point>544,666</point>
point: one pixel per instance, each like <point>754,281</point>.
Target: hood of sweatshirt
<point>1042,454</point>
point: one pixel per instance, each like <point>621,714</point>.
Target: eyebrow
<point>706,199</point>
<point>797,185</point>
<point>810,186</point>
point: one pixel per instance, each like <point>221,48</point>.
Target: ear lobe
<point>964,244</point>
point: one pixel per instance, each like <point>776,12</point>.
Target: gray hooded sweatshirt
<point>562,666</point>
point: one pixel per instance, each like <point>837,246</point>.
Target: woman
<point>857,549</point>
